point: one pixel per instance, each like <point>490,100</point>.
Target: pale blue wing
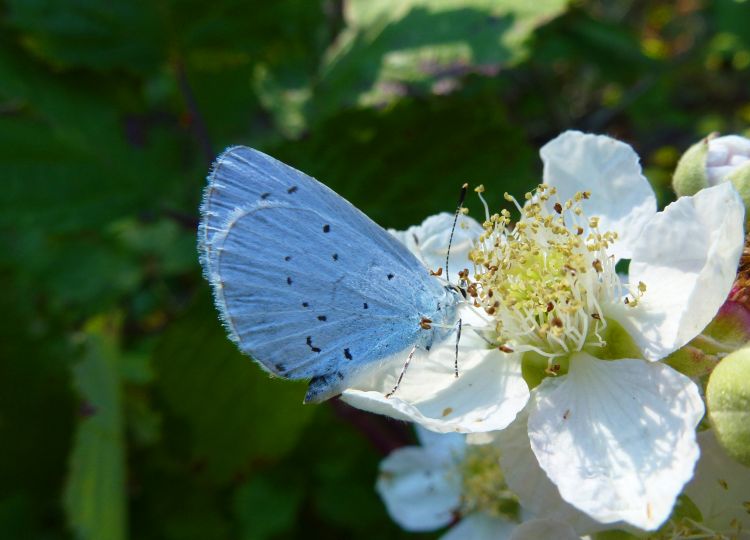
<point>306,283</point>
<point>240,177</point>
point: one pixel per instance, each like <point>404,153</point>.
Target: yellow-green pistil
<point>545,279</point>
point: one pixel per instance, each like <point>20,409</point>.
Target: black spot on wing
<point>280,368</point>
<point>347,354</point>
<point>313,348</point>
<point>326,228</point>
<point>288,258</point>
<point>265,195</point>
<point>292,189</point>
<point>335,256</point>
<point>365,306</point>
<point>390,276</point>
<point>322,318</point>
<point>288,280</point>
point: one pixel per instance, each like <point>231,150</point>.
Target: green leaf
<point>407,162</point>
<point>88,33</point>
<point>65,159</point>
<point>35,419</point>
<point>394,47</point>
<point>95,489</point>
<point>267,505</point>
<point>344,468</point>
<point>732,19</point>
<point>174,502</point>
<point>236,413</point>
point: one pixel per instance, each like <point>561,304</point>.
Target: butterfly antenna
<point>458,339</point>
<point>461,199</point>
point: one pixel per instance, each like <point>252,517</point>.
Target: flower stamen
<point>543,279</point>
<point>484,487</point>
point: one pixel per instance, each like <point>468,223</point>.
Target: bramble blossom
<point>445,480</point>
<point>612,428</point>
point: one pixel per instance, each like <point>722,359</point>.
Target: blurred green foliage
<point>124,410</point>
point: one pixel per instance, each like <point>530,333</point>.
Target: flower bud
<point>714,160</point>
<point>728,331</point>
<point>728,400</point>
<point>726,156</point>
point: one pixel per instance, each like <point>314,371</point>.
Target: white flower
<point>610,427</point>
<point>725,155</point>
<point>617,437</point>
<point>421,485</point>
<point>430,486</point>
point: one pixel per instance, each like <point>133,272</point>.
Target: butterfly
<point>305,283</point>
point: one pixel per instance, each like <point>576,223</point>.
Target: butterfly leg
<point>403,370</point>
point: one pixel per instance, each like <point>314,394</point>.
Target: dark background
<point>124,410</point>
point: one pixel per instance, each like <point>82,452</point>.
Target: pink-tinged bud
<point>712,161</point>
<point>741,289</point>
<point>727,332</point>
<point>726,155</point>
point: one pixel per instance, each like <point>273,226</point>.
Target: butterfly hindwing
<point>307,284</point>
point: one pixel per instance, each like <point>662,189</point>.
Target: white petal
<point>421,489</point>
<point>717,173</point>
<point>735,143</point>
<point>718,154</point>
<point>687,257</point>
<point>486,396</point>
<point>620,195</point>
<point>737,160</point>
<point>720,487</point>
<point>544,528</point>
<point>537,494</point>
<point>486,437</point>
<point>452,444</point>
<point>429,241</point>
<point>617,437</point>
<point>480,527</point>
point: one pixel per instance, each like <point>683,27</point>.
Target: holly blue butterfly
<point>305,283</point>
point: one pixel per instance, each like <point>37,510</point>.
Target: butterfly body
<point>306,284</point>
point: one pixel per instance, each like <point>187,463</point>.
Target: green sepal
<point>615,534</point>
<point>685,508</point>
<point>690,174</point>
<point>740,178</point>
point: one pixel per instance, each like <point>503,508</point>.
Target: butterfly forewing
<point>307,284</point>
